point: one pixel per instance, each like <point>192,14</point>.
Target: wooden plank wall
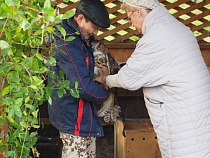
<point>132,102</point>
<point>122,51</point>
<point>205,49</point>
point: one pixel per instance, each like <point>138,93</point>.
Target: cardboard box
<point>140,140</point>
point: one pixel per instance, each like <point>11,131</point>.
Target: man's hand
<point>101,80</point>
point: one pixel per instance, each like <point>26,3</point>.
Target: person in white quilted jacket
<point>168,64</point>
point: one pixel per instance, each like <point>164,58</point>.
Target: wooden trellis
<point>194,14</point>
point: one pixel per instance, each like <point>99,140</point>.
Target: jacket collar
<point>71,24</point>
<point>150,19</point>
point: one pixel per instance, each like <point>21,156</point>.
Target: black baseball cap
<point>95,11</point>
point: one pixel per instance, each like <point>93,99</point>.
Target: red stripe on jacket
<point>79,117</point>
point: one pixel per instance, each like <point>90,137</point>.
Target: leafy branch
<point>25,27</point>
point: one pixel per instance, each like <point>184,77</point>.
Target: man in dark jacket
<point>77,119</point>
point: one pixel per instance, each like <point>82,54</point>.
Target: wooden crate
<point>140,140</point>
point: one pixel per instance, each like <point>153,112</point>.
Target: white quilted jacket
<point>168,64</point>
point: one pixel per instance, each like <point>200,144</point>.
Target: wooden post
<point>4,127</point>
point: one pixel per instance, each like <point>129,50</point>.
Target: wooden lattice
<point>195,14</point>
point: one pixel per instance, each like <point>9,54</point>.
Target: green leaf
<point>34,120</point>
<point>36,64</point>
<point>68,14</point>
<point>61,92</point>
<point>19,102</point>
<point>77,33</point>
<point>39,56</point>
<point>38,32</point>
<point>41,70</point>
<point>33,134</point>
<point>7,100</point>
<point>29,106</point>
<point>18,111</point>
<point>25,113</point>
<point>61,74</point>
<point>10,119</point>
<point>58,19</point>
<point>51,61</point>
<point>48,91</point>
<point>66,1</point>
<point>24,124</point>
<point>50,100</point>
<point>5,91</point>
<point>50,29</point>
<point>35,126</point>
<point>35,113</point>
<point>76,85</point>
<point>17,67</point>
<point>49,14</point>
<point>5,67</point>
<point>27,99</point>
<point>69,39</point>
<point>13,77</point>
<point>11,2</point>
<point>37,80</point>
<point>10,153</point>
<point>27,63</point>
<point>74,93</point>
<point>62,30</point>
<point>64,84</point>
<point>4,44</point>
<point>6,52</point>
<point>11,112</point>
<point>47,4</point>
<point>2,145</point>
<point>25,25</point>
<point>33,87</point>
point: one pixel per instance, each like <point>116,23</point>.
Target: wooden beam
<point>203,35</point>
<point>117,28</point>
<point>187,10</point>
<point>195,17</point>
<point>175,4</point>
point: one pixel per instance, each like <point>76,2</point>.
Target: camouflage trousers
<point>77,146</point>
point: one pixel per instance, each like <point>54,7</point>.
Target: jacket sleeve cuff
<point>111,81</point>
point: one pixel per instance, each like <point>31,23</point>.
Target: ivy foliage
<point>25,26</point>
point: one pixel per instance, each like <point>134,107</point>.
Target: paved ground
<point>105,145</point>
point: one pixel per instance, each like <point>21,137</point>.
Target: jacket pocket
<point>154,102</point>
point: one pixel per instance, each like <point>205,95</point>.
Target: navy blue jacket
<point>75,59</point>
